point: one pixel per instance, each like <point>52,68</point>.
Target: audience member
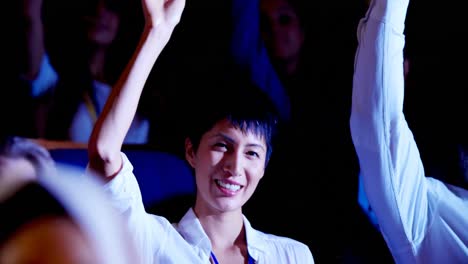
<point>248,52</point>
<point>421,218</point>
<point>53,219</point>
<point>429,64</point>
<point>71,72</point>
<point>48,211</point>
<point>307,72</point>
<point>228,152</point>
<point>21,161</point>
<point>283,29</point>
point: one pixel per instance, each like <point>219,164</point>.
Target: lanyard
<point>91,105</point>
<point>213,257</point>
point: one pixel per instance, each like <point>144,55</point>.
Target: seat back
<point>161,176</point>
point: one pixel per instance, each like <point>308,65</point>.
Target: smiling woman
<point>228,147</point>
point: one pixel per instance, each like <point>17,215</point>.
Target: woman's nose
<point>233,164</point>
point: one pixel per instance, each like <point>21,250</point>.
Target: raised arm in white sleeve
<point>151,233</point>
<point>422,219</point>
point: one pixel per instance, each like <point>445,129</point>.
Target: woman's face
<point>281,29</point>
<point>228,167</point>
<point>102,25</point>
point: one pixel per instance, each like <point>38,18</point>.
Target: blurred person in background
<point>53,219</point>
<point>70,72</point>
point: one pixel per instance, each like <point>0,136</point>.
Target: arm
<point>113,123</point>
<point>391,167</point>
<point>104,147</point>
<point>34,49</point>
<point>34,64</point>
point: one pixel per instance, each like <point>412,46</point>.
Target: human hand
<point>163,14</point>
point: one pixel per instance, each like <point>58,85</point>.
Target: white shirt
<point>104,229</point>
<point>422,219</point>
<point>186,242</point>
<point>83,121</point>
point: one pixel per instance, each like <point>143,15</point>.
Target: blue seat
<point>161,176</point>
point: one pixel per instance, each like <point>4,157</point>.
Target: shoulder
<point>279,249</point>
<point>283,242</point>
<point>284,247</point>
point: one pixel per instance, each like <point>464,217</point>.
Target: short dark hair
<point>234,97</point>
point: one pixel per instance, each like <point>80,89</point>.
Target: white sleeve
<point>391,166</point>
<point>150,231</point>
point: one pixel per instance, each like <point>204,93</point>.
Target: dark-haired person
<point>53,219</point>
<point>70,72</point>
<point>228,151</point>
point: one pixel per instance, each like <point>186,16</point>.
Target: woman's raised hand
<point>163,14</point>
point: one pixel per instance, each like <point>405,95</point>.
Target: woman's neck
<point>224,230</point>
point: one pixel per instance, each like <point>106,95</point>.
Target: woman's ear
<point>189,152</point>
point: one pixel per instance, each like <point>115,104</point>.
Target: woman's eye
<point>253,153</point>
<point>220,145</point>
